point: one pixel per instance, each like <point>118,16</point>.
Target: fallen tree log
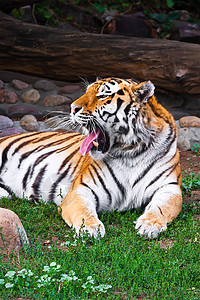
<point>62,55</point>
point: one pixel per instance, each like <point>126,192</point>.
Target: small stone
<point>69,89</point>
<point>29,123</point>
<point>1,84</point>
<point>54,100</point>
<point>10,131</point>
<point>19,85</point>
<point>189,121</point>
<point>5,122</point>
<point>31,96</point>
<point>184,139</point>
<point>19,110</point>
<point>13,235</point>
<point>8,97</point>
<point>45,85</point>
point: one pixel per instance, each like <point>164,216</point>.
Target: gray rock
<point>187,137</point>
<point>5,122</point>
<point>189,121</point>
<point>184,139</point>
<point>55,100</point>
<point>19,85</point>
<point>45,85</point>
<point>29,123</point>
<point>31,96</point>
<point>194,136</point>
<point>70,89</point>
<point>10,131</point>
<point>8,97</point>
<point>19,110</point>
<point>12,233</point>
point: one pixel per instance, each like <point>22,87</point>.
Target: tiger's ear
<point>98,78</point>
<point>143,91</point>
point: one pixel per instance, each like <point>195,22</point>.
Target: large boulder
<point>12,233</point>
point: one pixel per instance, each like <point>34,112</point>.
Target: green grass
<point>131,265</point>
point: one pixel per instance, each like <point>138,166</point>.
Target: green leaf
<point>158,17</point>
<point>170,3</point>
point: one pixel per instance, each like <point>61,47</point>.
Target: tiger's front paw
<point>150,224</point>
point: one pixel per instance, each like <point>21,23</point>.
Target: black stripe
<point>39,160</point>
<point>174,167</point>
<point>153,162</point>
<point>92,176</point>
<point>22,145</point>
<point>127,109</point>
<point>77,164</point>
<point>58,142</point>
<point>7,148</point>
<point>67,159</point>
<point>68,146</point>
<point>94,194</point>
<point>24,181</point>
<point>119,185</point>
<point>6,188</point>
<point>25,155</point>
<point>35,140</point>
<point>120,92</point>
<point>46,137</point>
<point>159,175</point>
<point>56,183</point>
<point>94,162</point>
<point>173,183</point>
<point>119,103</point>
<point>37,183</point>
<point>103,184</point>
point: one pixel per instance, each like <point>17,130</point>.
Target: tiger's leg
<point>165,205</point>
<point>74,209</point>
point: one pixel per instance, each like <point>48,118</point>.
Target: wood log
<point>62,55</point>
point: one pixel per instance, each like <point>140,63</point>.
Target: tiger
<point>123,155</point>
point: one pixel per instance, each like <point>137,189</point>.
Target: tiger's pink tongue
<point>87,143</point>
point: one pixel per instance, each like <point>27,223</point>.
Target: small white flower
<point>46,269</point>
<point>10,274</point>
<point>53,264</point>
<point>58,266</point>
<point>71,273</point>
<point>30,273</point>
<point>2,281</point>
<point>22,273</point>
<point>67,243</point>
<point>9,285</point>
<point>65,277</point>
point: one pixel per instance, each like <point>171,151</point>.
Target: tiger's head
<point>110,113</point>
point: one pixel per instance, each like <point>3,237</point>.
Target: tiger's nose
<point>75,108</point>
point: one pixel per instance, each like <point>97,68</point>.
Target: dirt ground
<point>190,161</point>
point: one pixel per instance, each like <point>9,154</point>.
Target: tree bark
<point>61,55</point>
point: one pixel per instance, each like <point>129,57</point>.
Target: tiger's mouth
<point>96,140</point>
